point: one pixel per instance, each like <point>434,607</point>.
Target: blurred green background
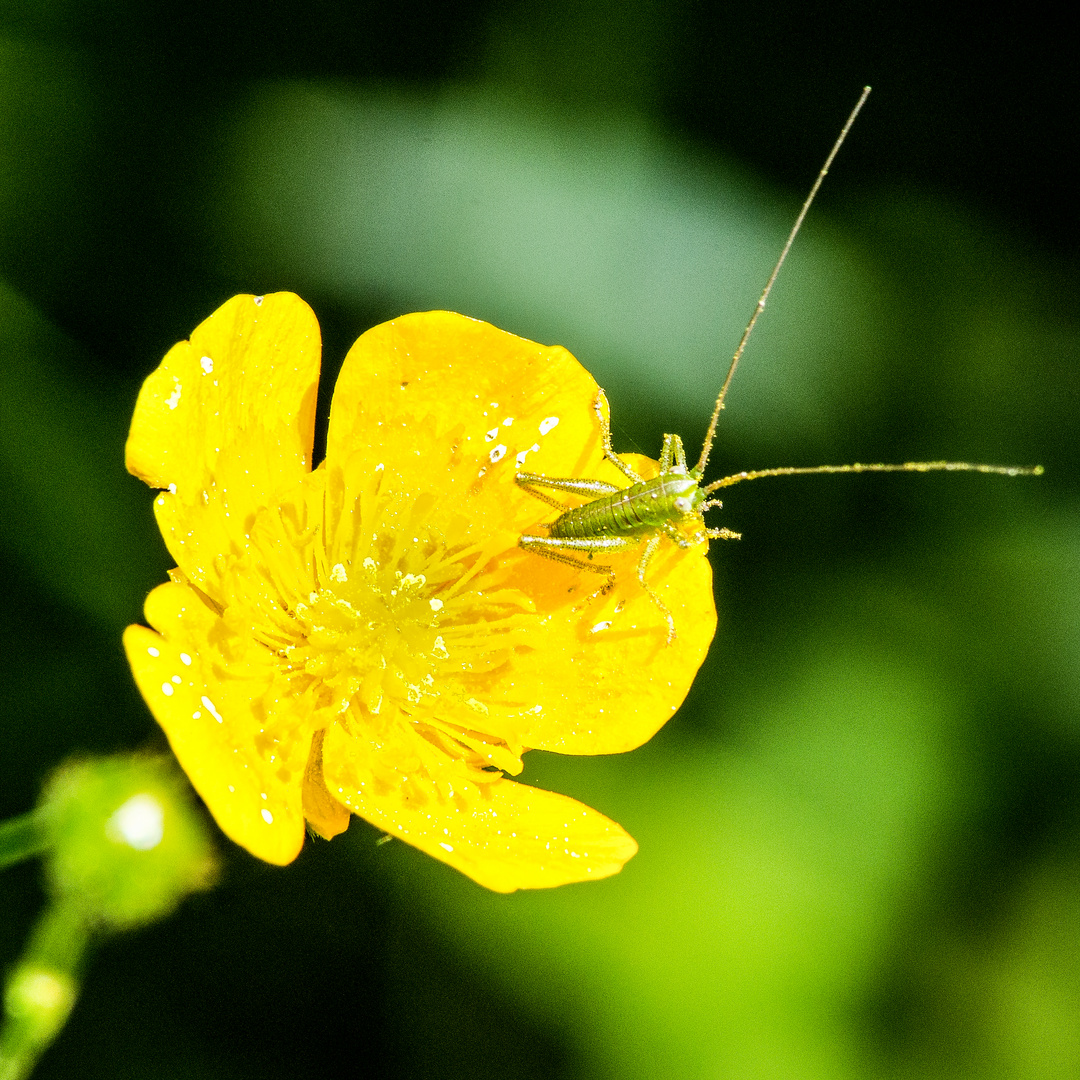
<point>860,839</point>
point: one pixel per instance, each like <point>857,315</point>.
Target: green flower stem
<point>21,838</point>
<point>41,989</point>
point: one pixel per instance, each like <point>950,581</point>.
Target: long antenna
<point>699,469</point>
<point>907,466</point>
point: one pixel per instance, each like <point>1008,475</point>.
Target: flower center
<point>370,636</point>
<point>401,640</point>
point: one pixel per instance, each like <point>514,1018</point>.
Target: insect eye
<point>683,505</point>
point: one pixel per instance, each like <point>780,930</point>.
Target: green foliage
<point>860,846</point>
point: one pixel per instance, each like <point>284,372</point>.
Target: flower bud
<point>125,843</point>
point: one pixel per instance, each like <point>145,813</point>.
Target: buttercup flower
<point>367,637</point>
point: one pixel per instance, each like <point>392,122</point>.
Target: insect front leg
<point>674,534</point>
<point>722,534</point>
<point>718,534</point>
<point>643,565</point>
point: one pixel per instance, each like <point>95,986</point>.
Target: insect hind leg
<point>603,411</point>
<point>558,550</point>
<point>533,483</point>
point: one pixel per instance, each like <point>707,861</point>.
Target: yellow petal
<point>224,422</point>
<point>216,723</point>
<point>458,406</point>
<point>617,679</point>
<point>324,814</point>
<point>504,835</point>
<point>439,403</point>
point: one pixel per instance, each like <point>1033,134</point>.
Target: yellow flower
<point>367,637</point>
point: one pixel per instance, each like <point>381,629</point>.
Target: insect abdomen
<point>636,510</point>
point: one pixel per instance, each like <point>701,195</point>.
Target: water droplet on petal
<point>209,705</point>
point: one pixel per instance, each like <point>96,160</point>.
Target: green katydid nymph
<point>614,519</point>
